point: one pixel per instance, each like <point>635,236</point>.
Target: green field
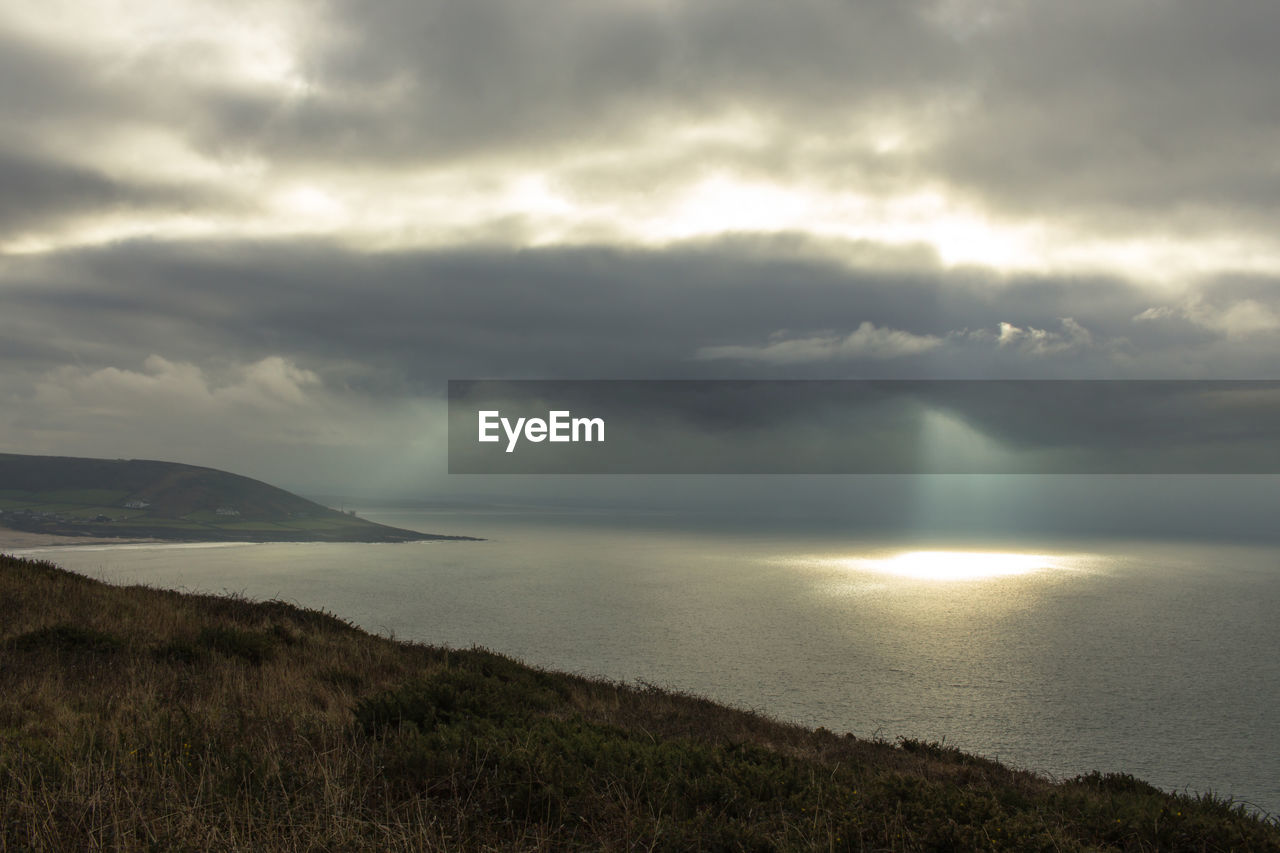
<point>85,505</point>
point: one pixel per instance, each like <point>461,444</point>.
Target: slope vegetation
<point>134,718</point>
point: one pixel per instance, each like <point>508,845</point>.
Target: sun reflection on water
<point>954,565</point>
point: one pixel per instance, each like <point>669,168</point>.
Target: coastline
<point>14,538</point>
<point>11,539</point>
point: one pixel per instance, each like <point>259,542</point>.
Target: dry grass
<point>142,719</point>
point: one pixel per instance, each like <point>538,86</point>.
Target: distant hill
<point>140,498</point>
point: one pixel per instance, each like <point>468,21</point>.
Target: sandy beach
<point>13,540</point>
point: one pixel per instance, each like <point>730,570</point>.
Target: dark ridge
<point>141,498</point>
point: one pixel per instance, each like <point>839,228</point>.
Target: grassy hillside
<point>134,718</point>
<point>136,498</point>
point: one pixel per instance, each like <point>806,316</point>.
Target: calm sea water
<point>1153,659</point>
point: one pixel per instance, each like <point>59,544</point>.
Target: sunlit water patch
<point>874,568</point>
<point>954,565</point>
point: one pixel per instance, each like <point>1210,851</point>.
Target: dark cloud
<point>448,79</point>
<point>39,83</point>
<point>318,368</point>
<point>1143,117</point>
<point>1059,111</point>
<point>39,192</point>
<point>415,319</point>
<point>1137,108</point>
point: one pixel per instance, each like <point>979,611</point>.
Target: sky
<point>262,236</point>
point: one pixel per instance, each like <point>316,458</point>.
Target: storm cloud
<point>264,236</point>
<point>1093,135</point>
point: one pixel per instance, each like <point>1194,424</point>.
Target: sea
<point>1158,659</point>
